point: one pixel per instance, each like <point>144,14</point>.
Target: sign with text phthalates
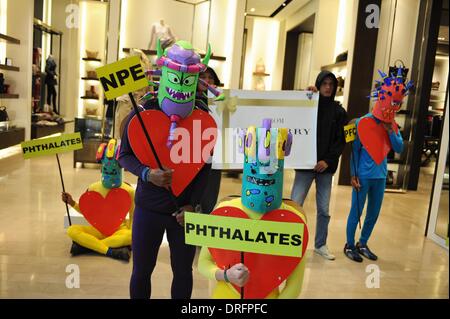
<point>122,77</point>
<point>52,145</point>
<point>249,235</point>
<point>295,110</point>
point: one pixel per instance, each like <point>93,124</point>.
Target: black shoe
<point>352,253</point>
<point>77,249</point>
<point>122,253</point>
<point>365,251</point>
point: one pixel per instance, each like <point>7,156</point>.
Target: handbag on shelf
<point>394,69</point>
<point>3,114</point>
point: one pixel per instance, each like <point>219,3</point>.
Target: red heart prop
<point>375,139</point>
<point>158,125</point>
<point>105,214</point>
<point>267,272</point>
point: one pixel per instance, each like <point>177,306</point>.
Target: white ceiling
<point>263,7</point>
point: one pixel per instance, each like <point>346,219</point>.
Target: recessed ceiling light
<point>252,10</point>
<point>284,4</point>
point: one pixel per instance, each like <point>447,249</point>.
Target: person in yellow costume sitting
<point>88,238</point>
<point>264,151</point>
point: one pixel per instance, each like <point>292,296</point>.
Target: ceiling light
<point>252,10</point>
<point>284,4</point>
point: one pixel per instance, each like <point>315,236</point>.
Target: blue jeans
<point>302,184</point>
<point>373,189</point>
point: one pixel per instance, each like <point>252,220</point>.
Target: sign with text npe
<point>122,77</point>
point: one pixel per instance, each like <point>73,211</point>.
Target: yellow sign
<point>122,77</point>
<point>257,236</point>
<point>350,133</point>
<point>52,145</point>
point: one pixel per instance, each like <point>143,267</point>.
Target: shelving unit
<point>89,98</point>
<point>9,68</point>
<point>9,96</point>
<point>153,52</point>
<point>9,39</point>
<point>90,79</point>
<point>92,59</point>
<point>13,135</point>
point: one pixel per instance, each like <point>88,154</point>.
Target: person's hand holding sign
<point>161,178</point>
<point>180,214</point>
<point>238,275</point>
<point>67,198</point>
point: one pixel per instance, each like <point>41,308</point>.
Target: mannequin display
<point>262,275</point>
<point>116,242</point>
<point>50,82</point>
<point>162,32</point>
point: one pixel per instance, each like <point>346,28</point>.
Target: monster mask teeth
<point>179,95</point>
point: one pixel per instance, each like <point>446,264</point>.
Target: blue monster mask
<point>264,150</point>
<point>108,154</point>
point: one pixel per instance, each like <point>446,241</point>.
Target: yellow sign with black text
<point>122,77</point>
<point>249,235</point>
<point>52,145</point>
<point>350,133</point>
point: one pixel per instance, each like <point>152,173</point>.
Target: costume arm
<point>396,141</point>
<point>294,282</point>
<point>127,159</point>
<point>206,265</point>
<point>77,207</point>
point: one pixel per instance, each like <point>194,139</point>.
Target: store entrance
<point>297,61</point>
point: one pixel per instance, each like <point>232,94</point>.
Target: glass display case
<point>94,131</point>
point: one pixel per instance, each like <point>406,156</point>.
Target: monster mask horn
<point>264,151</point>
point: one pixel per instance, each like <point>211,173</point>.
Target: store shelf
<point>260,74</point>
<point>90,79</point>
<point>9,68</point>
<point>40,25</point>
<point>9,39</point>
<point>395,161</point>
<point>9,96</point>
<point>89,98</point>
<point>338,65</point>
<point>91,59</point>
<point>11,137</point>
<point>437,101</point>
<point>153,52</point>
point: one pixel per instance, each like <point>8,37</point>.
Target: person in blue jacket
<point>369,172</point>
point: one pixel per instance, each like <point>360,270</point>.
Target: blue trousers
<point>147,234</point>
<point>373,189</point>
<point>302,184</point>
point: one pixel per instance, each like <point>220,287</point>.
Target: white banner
<point>295,110</point>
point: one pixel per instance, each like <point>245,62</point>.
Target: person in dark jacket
<point>331,119</point>
<point>157,211</point>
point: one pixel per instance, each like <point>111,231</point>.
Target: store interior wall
<point>19,24</point>
<point>225,29</point>
<point>92,37</point>
<point>70,54</point>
